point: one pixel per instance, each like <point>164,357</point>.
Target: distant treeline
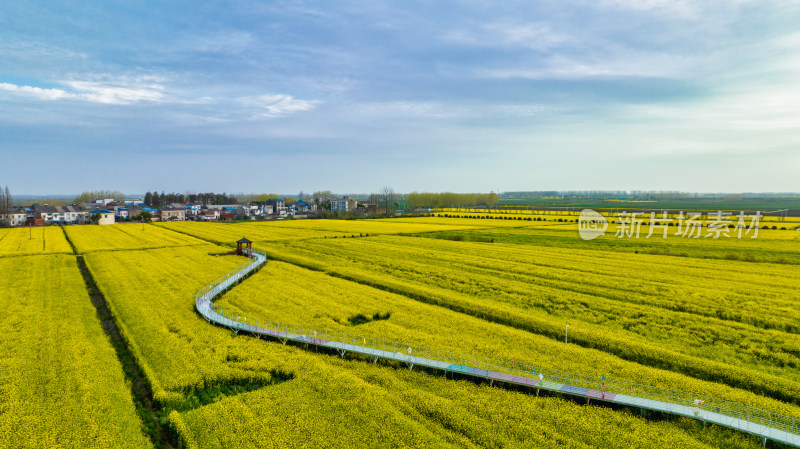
<point>449,199</point>
<point>641,194</point>
<point>91,197</point>
<point>157,200</point>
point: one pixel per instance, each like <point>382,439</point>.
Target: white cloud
<point>117,93</point>
<point>774,108</point>
<point>276,105</point>
<point>37,92</point>
<point>124,91</point>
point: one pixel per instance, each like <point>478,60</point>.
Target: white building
<point>279,208</point>
<point>343,205</point>
<point>106,217</point>
<point>15,218</point>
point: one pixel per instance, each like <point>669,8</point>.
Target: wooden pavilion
<point>240,246</point>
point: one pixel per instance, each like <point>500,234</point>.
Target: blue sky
<point>470,96</point>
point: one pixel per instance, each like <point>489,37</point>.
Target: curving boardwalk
<point>766,425</point>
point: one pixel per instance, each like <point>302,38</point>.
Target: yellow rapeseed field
<point>714,317</point>
<point>120,236</point>
<point>693,316</point>
<point>29,241</point>
<point>61,384</point>
<point>316,400</point>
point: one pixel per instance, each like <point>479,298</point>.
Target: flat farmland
<point>680,316</point>
<point>395,225</point>
<point>89,238</point>
<point>691,315</point>
<point>279,395</point>
<point>279,230</point>
<point>61,384</point>
<point>777,246</point>
<point>226,233</point>
<point>30,241</point>
<point>371,313</point>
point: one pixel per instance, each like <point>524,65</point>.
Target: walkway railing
<point>731,414</point>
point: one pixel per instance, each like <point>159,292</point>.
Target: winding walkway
<point>766,425</point>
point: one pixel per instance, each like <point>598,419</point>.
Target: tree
<point>145,216</point>
<point>89,197</point>
<point>387,199</point>
<point>95,218</point>
<point>148,199</point>
<point>5,207</point>
<point>374,202</point>
<point>324,194</point>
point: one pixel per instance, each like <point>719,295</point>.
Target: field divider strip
<point>141,389</point>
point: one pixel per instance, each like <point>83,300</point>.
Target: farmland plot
<point>307,398</point>
<point>61,384</point>
<point>30,241</point>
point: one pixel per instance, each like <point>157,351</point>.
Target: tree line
<point>90,197</point>
<point>159,200</point>
<point>5,207</point>
<point>449,199</point>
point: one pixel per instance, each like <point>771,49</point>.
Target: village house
<point>209,215</point>
<point>72,214</point>
<point>60,215</point>
<point>16,217</point>
<point>105,217</point>
<point>279,208</point>
<point>192,210</point>
<point>122,213</point>
<point>343,205</point>
<point>304,207</point>
<point>173,214</point>
<point>265,209</point>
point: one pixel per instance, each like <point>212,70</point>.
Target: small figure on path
<point>697,403</point>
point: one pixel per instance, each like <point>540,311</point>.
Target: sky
<point>352,96</point>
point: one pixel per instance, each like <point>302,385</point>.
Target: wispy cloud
<point>222,42</point>
<point>276,105</point>
<point>122,91</point>
<point>36,92</point>
<point>626,65</point>
<point>455,111</point>
<point>538,36</point>
<point>676,8</point>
